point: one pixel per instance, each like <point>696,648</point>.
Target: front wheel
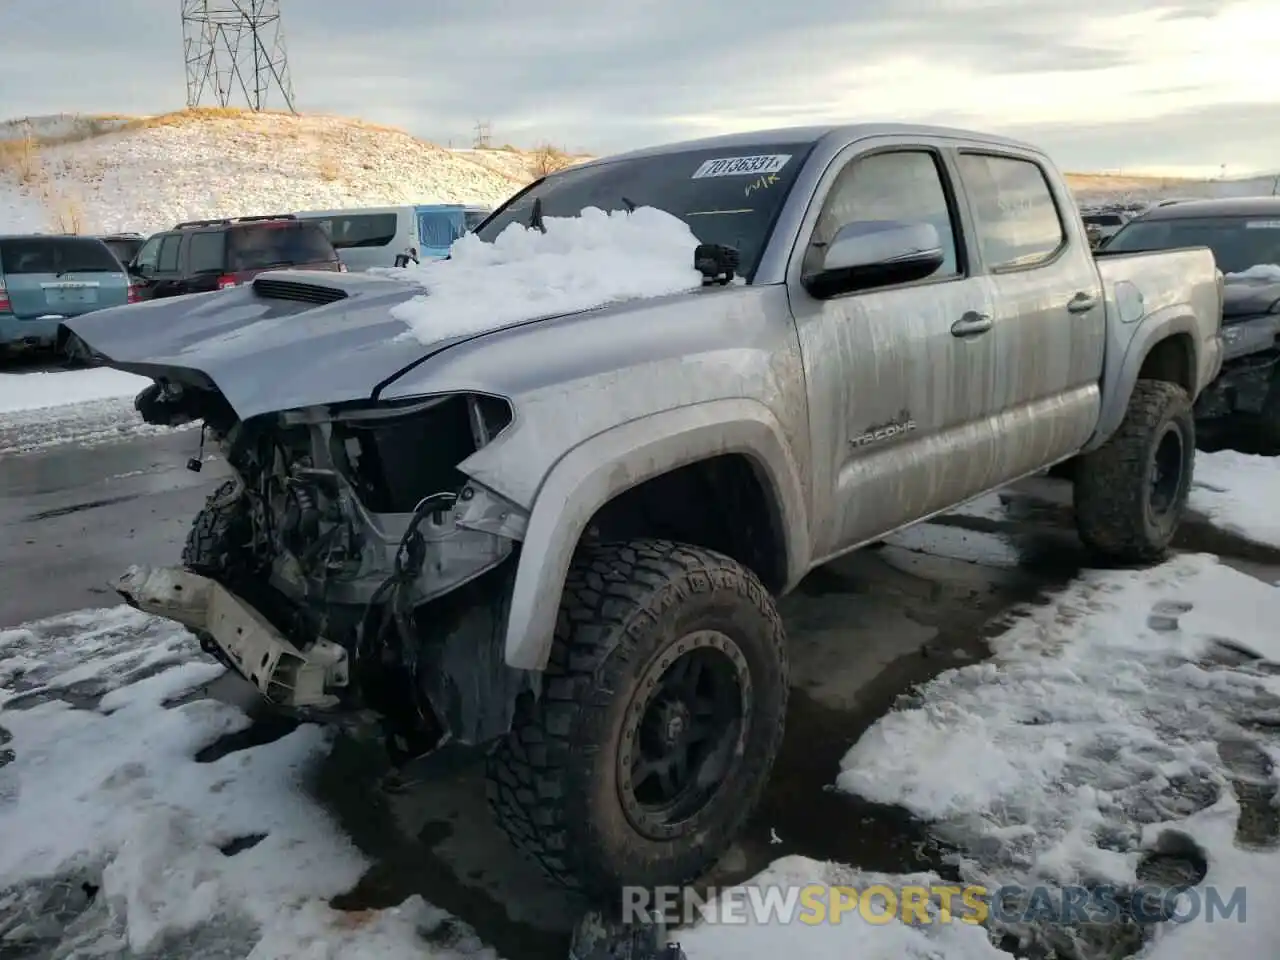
<point>660,716</point>
<point>1131,493</point>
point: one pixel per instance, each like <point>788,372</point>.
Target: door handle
<point>1082,303</point>
<point>971,324</point>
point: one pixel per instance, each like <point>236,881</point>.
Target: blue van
<point>376,236</point>
<point>46,279</point>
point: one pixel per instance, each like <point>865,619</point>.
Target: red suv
<point>204,255</point>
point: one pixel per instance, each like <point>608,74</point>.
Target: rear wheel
<point>661,713</point>
<point>1131,493</point>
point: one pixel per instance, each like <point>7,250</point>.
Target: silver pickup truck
<point>561,540</point>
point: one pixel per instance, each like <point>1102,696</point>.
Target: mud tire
<point>215,543</point>
<point>1113,490</point>
<point>553,782</point>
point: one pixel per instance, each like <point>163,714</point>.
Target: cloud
<point>613,76</point>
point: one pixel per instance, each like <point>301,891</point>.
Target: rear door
<point>1050,319</point>
<point>204,261</point>
<point>167,280</point>
<point>61,276</point>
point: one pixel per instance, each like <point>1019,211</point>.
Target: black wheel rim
<point>1166,476</point>
<point>684,734</point>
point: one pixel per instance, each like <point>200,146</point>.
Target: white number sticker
<point>741,166</point>
<point>1262,225</point>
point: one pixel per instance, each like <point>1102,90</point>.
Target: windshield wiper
<point>629,204</point>
<point>535,218</point>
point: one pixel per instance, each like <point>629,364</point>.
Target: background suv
<point>204,255</point>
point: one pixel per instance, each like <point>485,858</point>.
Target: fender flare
<point>595,471</point>
<point>1121,369</point>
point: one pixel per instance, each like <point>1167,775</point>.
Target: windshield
<point>56,255</point>
<point>277,244</point>
<point>1238,243</point>
<point>1103,219</point>
<point>728,196</point>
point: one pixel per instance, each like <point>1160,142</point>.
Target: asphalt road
<point>73,518</point>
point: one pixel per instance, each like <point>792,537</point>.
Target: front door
<point>899,378</point>
<point>1050,316</point>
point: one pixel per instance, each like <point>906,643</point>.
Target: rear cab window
<point>56,255</point>
<point>1015,215</point>
<point>277,244</point>
<point>359,229</point>
<point>206,252</point>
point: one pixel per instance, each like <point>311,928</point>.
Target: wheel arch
<point>600,469</point>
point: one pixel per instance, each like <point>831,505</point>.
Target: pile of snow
<point>119,843</point>
<point>1134,712</point>
<point>1266,272</point>
<point>149,174</point>
<point>40,389</point>
<point>579,263</point>
<point>42,409</point>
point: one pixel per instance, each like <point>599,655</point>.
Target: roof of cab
<point>784,135</point>
<point>1222,207</point>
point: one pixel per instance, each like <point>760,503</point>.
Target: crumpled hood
<point>1248,298</point>
<point>266,354</point>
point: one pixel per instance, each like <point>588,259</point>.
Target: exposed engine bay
<point>352,530</point>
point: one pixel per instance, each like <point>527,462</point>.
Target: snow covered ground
<point>120,841</point>
<point>1239,493</point>
<point>1122,734</point>
<point>40,409</point>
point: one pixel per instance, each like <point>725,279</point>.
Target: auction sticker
<point>741,166</point>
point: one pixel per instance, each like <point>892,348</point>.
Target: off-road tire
<point>215,542</point>
<point>1112,489</point>
<point>553,783</point>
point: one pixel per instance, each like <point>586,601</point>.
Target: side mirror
<point>876,253</point>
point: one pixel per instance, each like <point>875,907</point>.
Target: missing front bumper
<point>282,673</point>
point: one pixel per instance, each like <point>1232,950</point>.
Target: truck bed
<point>1143,288</point>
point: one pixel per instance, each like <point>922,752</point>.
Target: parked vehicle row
<point>524,543</point>
<point>45,279</point>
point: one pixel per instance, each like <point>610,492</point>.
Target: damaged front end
<point>351,567</point>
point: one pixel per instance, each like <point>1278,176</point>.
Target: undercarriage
<point>349,569</point>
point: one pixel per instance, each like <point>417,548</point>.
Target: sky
<point>1103,85</point>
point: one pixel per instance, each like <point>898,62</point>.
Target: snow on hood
<point>580,263</point>
<point>1266,272</point>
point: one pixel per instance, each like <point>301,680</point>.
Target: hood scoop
<point>314,293</point>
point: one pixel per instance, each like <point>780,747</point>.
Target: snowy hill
<point>103,173</point>
<point>97,174</point>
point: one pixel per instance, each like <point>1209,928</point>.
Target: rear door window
<point>206,252</point>
<point>360,229</point>
<point>56,255</point>
<point>169,249</point>
<point>1018,224</point>
<point>277,244</point>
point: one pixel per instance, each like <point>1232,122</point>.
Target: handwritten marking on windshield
<point>761,183</point>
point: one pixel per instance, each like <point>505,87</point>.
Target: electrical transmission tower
<point>235,49</point>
